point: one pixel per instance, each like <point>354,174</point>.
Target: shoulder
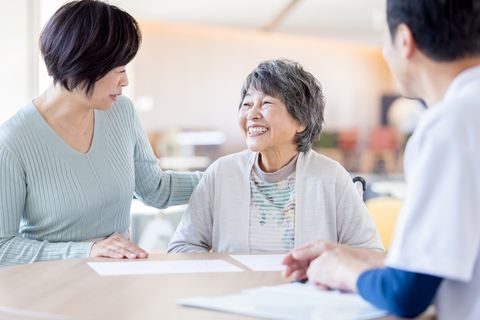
<point>450,123</point>
<point>311,157</point>
<point>232,164</point>
<point>460,108</point>
<point>320,165</point>
<point>322,171</point>
<point>12,131</point>
<point>235,159</point>
<point>14,137</point>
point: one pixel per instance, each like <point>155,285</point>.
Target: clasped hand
<point>118,248</point>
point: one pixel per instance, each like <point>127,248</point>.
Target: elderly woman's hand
<point>118,248</point>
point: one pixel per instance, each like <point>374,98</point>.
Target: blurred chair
<point>326,144</point>
<point>384,212</point>
<point>348,144</point>
<point>152,229</point>
<point>382,146</point>
<point>156,235</point>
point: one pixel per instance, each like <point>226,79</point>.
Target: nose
<point>254,112</point>
<point>123,80</point>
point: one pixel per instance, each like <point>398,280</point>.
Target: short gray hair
<point>298,89</point>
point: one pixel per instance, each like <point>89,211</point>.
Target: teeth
<point>256,130</point>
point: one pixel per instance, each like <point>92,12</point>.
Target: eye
<point>246,105</point>
<point>266,102</point>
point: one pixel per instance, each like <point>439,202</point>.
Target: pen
<point>300,281</point>
<point>306,280</point>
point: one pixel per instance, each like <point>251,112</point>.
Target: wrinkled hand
<point>118,248</point>
<point>337,269</point>
<point>298,260</point>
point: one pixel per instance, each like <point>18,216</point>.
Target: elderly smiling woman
<point>279,194</point>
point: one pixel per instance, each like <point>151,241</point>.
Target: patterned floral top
<point>272,209</point>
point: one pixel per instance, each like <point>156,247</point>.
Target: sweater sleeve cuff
<point>80,250</point>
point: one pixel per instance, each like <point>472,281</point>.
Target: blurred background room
<point>185,83</point>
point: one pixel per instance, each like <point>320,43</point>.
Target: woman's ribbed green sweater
<point>52,196</point>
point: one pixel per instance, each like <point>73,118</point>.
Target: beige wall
<point>194,75</point>
<point>17,56</point>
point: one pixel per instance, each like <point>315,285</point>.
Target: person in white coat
<point>433,50</point>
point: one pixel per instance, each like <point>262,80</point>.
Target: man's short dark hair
<point>84,40</point>
<point>298,89</point>
<point>444,30</point>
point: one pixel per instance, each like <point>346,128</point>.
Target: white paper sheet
<point>162,267</point>
<point>261,262</point>
<point>291,301</point>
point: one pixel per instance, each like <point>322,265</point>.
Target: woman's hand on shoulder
<point>118,248</point>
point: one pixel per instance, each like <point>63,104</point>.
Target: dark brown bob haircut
<point>84,40</point>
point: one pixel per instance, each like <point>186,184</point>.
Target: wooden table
<point>71,290</point>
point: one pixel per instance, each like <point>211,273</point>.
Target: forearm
<point>167,189</point>
<point>153,186</point>
<point>373,258</point>
<point>190,237</point>
<point>18,250</point>
<point>179,247</point>
<point>402,293</point>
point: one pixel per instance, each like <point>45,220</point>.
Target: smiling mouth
<point>256,131</point>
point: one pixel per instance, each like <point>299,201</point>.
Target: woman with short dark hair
<point>72,158</point>
<point>278,194</point>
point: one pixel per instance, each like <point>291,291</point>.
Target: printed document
<point>262,262</point>
<point>293,301</point>
<point>162,267</point>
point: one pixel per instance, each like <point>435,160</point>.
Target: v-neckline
<point>53,138</point>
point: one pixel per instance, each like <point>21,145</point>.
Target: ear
<point>404,41</point>
<point>301,128</point>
